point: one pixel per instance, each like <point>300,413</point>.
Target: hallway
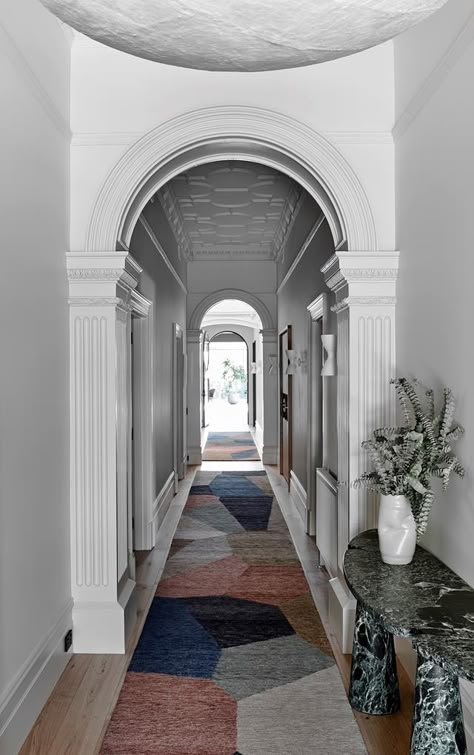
<point>138,199</point>
<point>78,712</point>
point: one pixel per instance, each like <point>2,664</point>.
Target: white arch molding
<point>230,293</point>
<point>244,133</point>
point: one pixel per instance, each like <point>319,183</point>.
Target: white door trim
<point>142,459</point>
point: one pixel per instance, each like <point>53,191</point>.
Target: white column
<point>364,284</point>
<point>194,359</point>
<point>270,396</point>
<point>100,286</point>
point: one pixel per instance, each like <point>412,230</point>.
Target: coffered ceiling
<point>231,210</point>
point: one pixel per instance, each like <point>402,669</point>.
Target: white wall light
<point>329,346</point>
<point>295,360</point>
<point>272,363</point>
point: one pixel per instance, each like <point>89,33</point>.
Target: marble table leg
<point>374,682</point>
<point>438,727</point>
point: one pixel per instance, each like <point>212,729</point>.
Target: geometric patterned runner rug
<point>226,446</point>
<point>233,658</point>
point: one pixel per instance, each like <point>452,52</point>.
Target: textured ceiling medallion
<point>242,35</point>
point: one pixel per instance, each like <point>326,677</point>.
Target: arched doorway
<point>232,381</point>
<point>362,279</point>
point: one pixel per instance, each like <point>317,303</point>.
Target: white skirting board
<point>258,438</point>
<point>269,455</point>
<point>298,496</point>
<point>467,696</point>
<point>162,503</point>
<point>24,698</point>
<point>194,455</point>
<point>342,608</point>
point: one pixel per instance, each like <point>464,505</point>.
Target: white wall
<point>436,237</point>
<point>434,171</point>
<point>117,98</point>
<point>35,588</point>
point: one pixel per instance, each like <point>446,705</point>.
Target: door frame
<point>179,390</point>
<point>281,360</point>
<point>317,405</point>
<point>141,425</point>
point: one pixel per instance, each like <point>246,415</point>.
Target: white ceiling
<point>231,210</point>
<point>231,312</point>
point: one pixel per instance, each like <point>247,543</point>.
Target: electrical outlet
<point>67,641</point>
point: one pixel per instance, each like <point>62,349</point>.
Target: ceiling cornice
<point>173,212</point>
<point>290,212</point>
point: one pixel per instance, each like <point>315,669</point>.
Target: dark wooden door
<point>285,405</point>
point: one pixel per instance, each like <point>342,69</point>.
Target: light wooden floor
<point>76,715</point>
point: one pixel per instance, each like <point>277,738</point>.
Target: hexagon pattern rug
<point>233,658</point>
<point>230,446</point>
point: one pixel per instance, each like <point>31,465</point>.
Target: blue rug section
<point>234,486</point>
<point>251,513</point>
<point>232,621</point>
<point>173,642</point>
<point>248,454</point>
<point>201,490</point>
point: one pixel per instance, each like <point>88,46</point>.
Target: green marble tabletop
<point>423,600</point>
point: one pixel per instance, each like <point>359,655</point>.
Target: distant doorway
<point>227,375</point>
<point>227,379</point>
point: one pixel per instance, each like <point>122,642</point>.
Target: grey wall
<point>169,306</point>
<point>35,585</point>
<point>304,285</point>
<point>158,219</point>
<point>307,215</point>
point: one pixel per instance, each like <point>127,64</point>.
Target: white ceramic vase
<point>396,530</point>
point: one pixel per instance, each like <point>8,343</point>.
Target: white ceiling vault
<point>231,312</point>
<point>231,210</point>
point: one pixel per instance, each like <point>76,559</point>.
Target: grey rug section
<point>310,716</point>
<point>216,515</point>
<point>247,669</point>
<point>196,554</point>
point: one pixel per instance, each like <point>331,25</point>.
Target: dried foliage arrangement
<point>406,458</point>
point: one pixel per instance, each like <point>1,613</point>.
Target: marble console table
<point>434,607</point>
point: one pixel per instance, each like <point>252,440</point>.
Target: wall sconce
<point>272,360</point>
<point>295,360</point>
<point>253,368</point>
<point>329,346</point>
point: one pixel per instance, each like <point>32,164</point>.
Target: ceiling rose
<point>242,35</point>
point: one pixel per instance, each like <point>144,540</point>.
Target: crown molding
<point>140,306</point>
<point>290,212</point>
<point>154,240</point>
<point>362,279</point>
<point>434,79</point>
<point>319,307</point>
<point>364,301</point>
<point>101,278</point>
<point>309,238</point>
<point>173,212</point>
<point>34,84</point>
